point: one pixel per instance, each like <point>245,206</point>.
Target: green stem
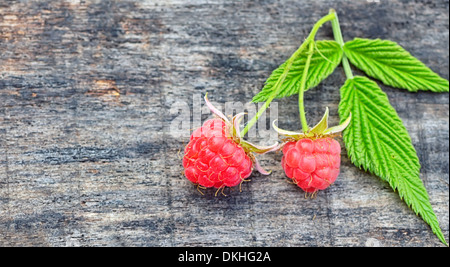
<point>277,86</point>
<point>301,105</point>
<point>279,83</point>
<point>340,40</point>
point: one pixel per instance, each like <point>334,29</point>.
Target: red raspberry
<point>312,164</point>
<point>212,159</point>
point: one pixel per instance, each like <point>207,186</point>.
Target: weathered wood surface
<point>87,159</point>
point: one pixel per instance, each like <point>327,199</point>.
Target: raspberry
<point>313,164</point>
<point>213,159</point>
<point>217,155</point>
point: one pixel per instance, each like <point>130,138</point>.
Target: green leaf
<point>394,66</point>
<point>377,141</point>
<point>327,55</point>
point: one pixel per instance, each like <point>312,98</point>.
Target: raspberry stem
<point>309,41</point>
<point>301,105</point>
<point>340,40</point>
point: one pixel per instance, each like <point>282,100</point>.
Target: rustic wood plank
<point>86,95</point>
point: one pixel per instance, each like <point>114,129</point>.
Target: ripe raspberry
<point>313,164</point>
<point>213,159</point>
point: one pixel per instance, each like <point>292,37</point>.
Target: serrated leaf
<point>393,65</point>
<point>378,142</point>
<point>327,55</point>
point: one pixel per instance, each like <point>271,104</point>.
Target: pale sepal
<point>260,149</point>
<point>259,168</point>
<point>236,122</point>
<point>214,110</point>
<point>341,127</point>
<point>287,133</point>
<point>322,126</point>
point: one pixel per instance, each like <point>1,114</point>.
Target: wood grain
<point>86,153</point>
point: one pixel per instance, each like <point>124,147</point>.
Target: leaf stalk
<point>278,85</point>
<point>340,40</point>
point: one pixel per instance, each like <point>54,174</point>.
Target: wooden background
<point>86,153</point>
